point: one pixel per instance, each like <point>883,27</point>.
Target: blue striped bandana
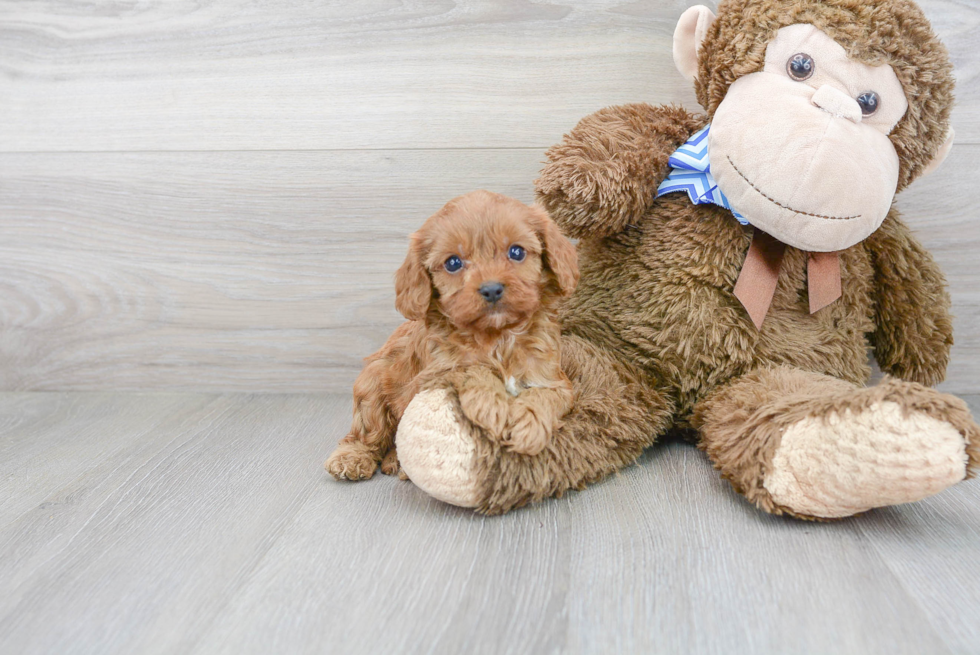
<point>691,172</point>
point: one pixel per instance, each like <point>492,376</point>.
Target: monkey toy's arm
<point>605,173</point>
<point>913,326</point>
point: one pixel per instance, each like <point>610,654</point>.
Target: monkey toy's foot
<point>848,462</point>
<point>438,450</point>
<point>813,446</point>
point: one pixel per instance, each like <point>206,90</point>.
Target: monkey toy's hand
<point>604,175</point>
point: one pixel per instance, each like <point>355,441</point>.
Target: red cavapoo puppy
<point>480,287</point>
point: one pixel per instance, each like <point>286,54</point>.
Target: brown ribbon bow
<point>756,283</point>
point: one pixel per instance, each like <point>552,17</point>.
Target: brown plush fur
<point>615,160</point>
<point>458,336</point>
<point>617,413</point>
<point>657,292</point>
<point>654,337</point>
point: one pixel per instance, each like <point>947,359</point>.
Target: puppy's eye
<point>453,264</point>
<point>800,66</point>
<point>869,102</point>
<point>516,253</point>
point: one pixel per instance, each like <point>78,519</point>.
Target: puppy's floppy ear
<point>559,255</point>
<point>413,287</point>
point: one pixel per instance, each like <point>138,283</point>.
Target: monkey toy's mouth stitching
<point>779,204</point>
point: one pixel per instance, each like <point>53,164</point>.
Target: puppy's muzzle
<point>491,291</point>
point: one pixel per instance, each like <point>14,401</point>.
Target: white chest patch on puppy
<point>513,386</point>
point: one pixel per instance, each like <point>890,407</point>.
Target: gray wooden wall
<point>204,195</point>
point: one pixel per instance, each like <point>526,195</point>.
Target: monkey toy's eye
<point>453,264</point>
<point>800,67</point>
<point>516,253</point>
<point>869,102</point>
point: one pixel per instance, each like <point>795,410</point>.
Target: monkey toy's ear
<point>688,35</point>
<point>940,156</point>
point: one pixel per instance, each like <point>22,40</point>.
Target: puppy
<point>479,288</point>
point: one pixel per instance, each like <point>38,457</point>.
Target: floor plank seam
<point>336,403</point>
<point>247,572</point>
<point>109,497</point>
<point>927,616</point>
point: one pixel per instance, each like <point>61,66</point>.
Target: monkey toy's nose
<point>491,291</point>
<point>836,102</point>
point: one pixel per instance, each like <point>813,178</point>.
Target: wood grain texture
<point>267,271</point>
<point>58,439</point>
<point>924,545</point>
<point>137,552</point>
<point>380,74</point>
<point>273,271</point>
<point>253,248</point>
<point>208,526</point>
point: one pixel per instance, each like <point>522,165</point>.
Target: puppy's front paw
<point>351,461</point>
<point>527,434</point>
<point>485,409</point>
<point>391,466</point>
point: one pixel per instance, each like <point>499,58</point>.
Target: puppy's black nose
<point>491,291</point>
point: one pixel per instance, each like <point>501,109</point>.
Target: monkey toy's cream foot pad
<point>854,460</point>
<point>437,451</point>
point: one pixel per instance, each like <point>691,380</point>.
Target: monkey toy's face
<point>801,147</point>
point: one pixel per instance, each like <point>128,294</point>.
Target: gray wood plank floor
<point>192,523</point>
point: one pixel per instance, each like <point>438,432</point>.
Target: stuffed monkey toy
<point>737,266</point>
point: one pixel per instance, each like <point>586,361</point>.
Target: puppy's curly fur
<point>500,353</point>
